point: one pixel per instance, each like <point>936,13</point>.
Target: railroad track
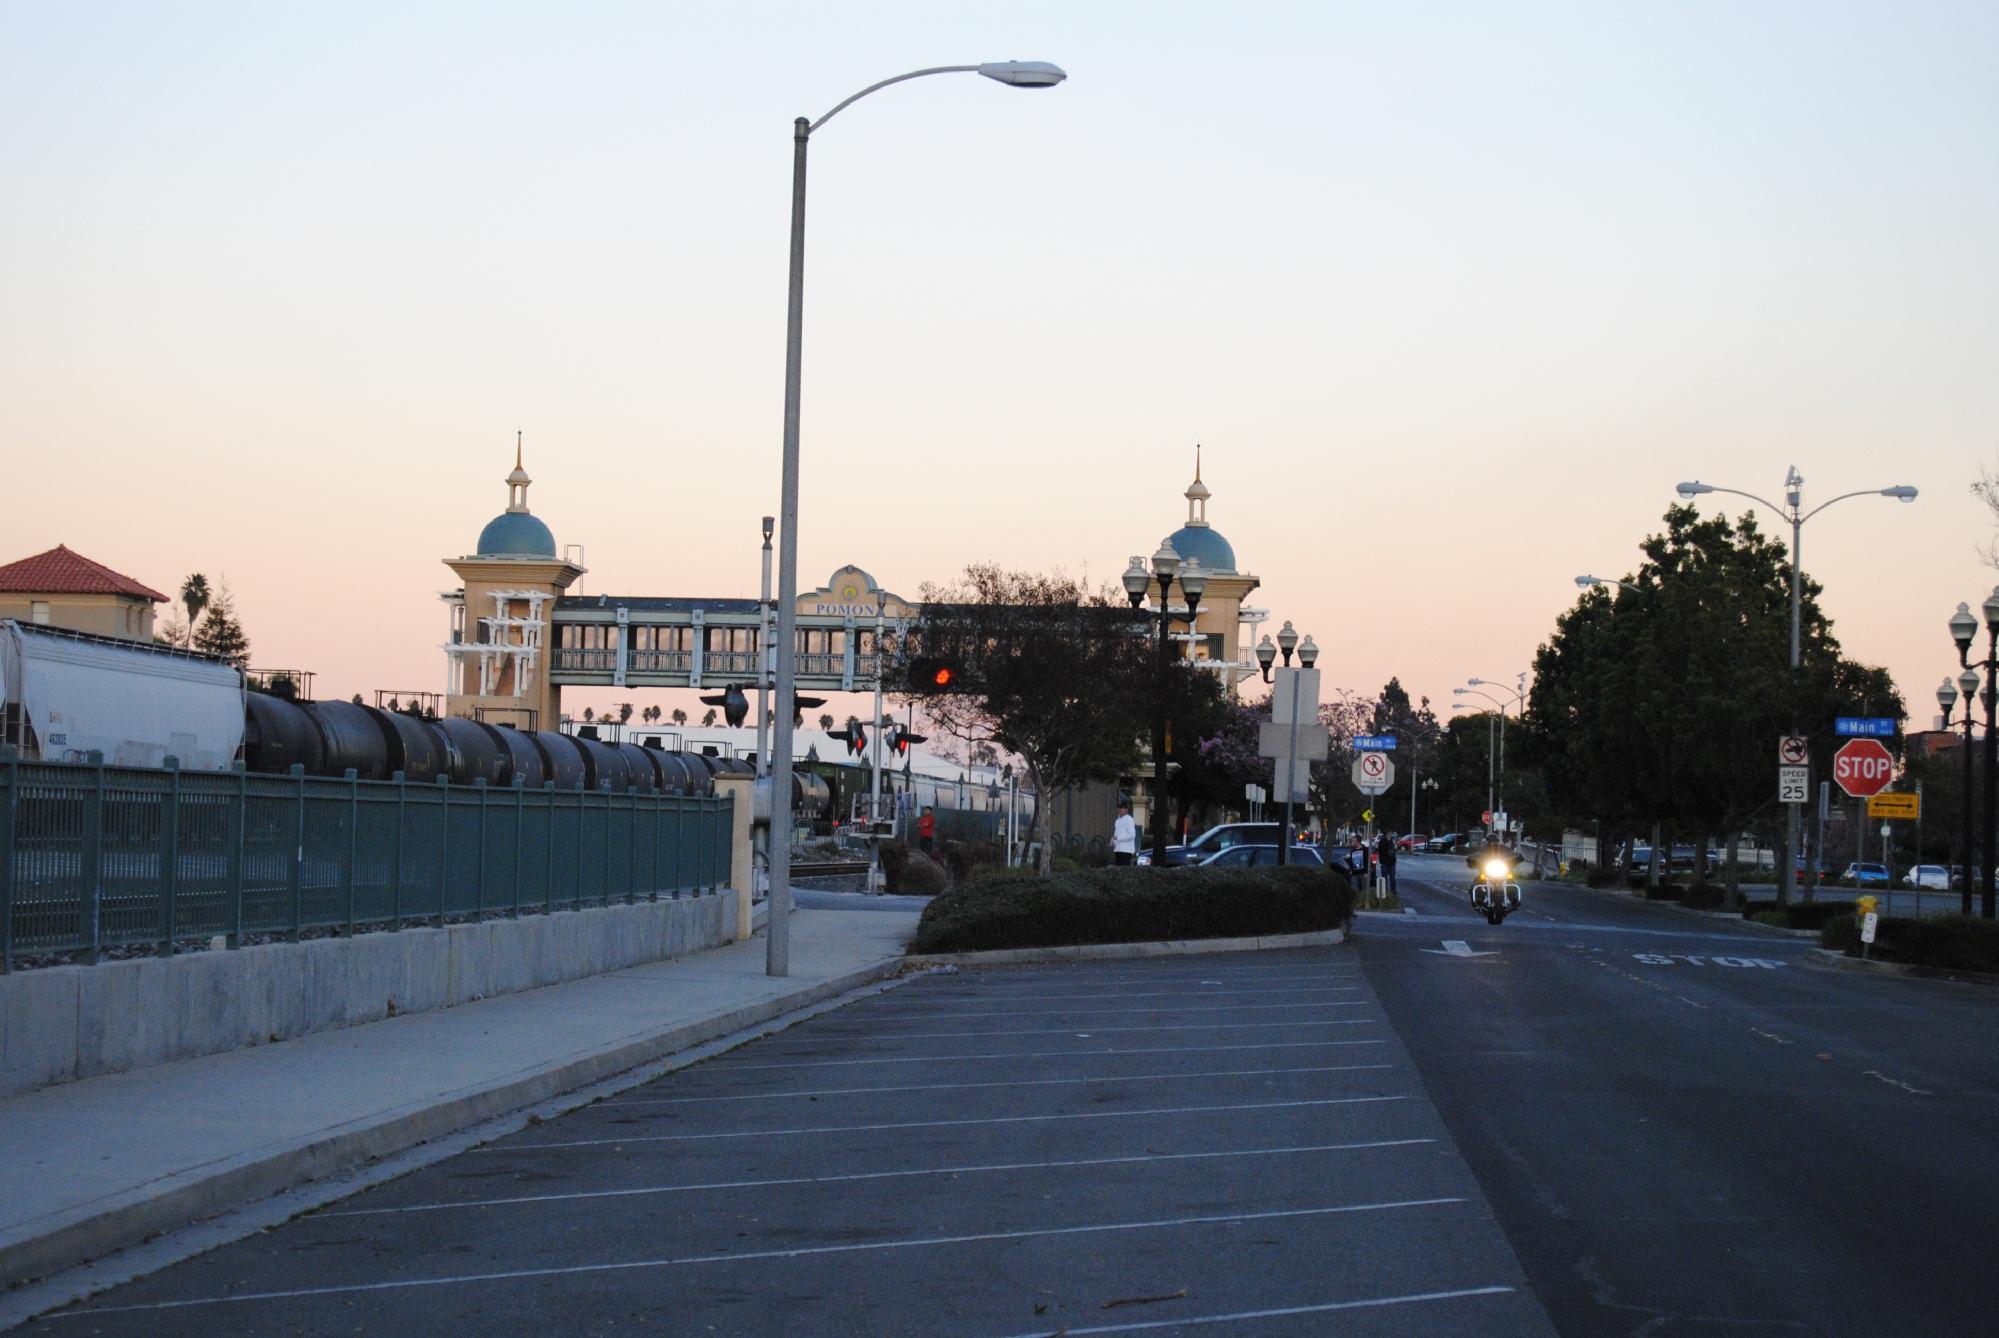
<point>827,868</point>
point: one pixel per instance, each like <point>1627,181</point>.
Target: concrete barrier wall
<point>70,1022</point>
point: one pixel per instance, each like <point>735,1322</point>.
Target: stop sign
<point>1863,767</point>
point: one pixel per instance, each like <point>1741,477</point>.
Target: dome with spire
<point>515,533</point>
<point>1197,539</point>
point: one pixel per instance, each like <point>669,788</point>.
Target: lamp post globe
<point>1967,684</point>
<point>1947,698</point>
<point>1308,652</point>
<point>1266,655</point>
<point>1137,580</point>
<point>1165,563</point>
<point>1287,639</point>
<point>1963,627</point>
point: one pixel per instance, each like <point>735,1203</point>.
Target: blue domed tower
<point>1219,638</point>
<point>497,658</point>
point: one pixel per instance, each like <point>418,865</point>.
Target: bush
<point>1665,891</point>
<point>1132,905</point>
<point>1947,942</point>
<point>908,870</point>
<point>1705,896</point>
<point>1798,915</point>
<point>1600,876</point>
<point>961,858</point>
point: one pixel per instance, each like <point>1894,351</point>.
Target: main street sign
<point>1793,750</point>
<point>1793,785</point>
<point>1862,767</point>
<point>1374,743</point>
<point>1901,807</point>
<point>1863,727</point>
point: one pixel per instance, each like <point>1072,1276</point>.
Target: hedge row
<point>1948,942</point>
<point>1798,914</point>
<point>1132,905</point>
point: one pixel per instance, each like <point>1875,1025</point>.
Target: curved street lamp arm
<point>1474,692</point>
<point>913,74</point>
<point>1864,492</point>
<point>1737,492</point>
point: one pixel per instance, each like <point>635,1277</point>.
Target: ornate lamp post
<point>1964,631</point>
<point>1947,695</point>
<point>1166,565</point>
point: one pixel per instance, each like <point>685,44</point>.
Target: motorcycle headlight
<point>1496,870</point>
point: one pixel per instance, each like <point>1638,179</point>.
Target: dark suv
<point>1217,839</point>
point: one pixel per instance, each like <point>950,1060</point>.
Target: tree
<point>708,720</point>
<point>826,722</point>
<point>1986,490</point>
<point>1212,739</point>
<point>679,716</point>
<point>624,713</point>
<point>1664,704</point>
<point>194,596</point>
<point>220,634</point>
<point>1060,675</point>
<point>172,631</point>
<point>1416,734</point>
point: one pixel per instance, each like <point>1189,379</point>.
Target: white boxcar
<point>65,695</point>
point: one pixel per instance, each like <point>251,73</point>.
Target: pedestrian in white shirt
<point>1124,836</point>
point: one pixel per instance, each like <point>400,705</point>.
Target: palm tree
<point>825,722</point>
<point>679,716</point>
<point>709,719</point>
<point>589,714</point>
<point>624,713</point>
<point>194,596</point>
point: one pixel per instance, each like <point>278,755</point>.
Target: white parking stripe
<point>961,1086</point>
<point>1236,1317</point>
<point>882,1175</point>
<point>1085,1029</point>
<point>1041,1054</point>
<point>753,1256</point>
<point>1095,1009</point>
<point>928,1124</point>
<point>1216,988</point>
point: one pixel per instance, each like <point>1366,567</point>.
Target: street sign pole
<point>1290,777</point>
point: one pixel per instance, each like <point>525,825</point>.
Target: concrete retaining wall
<point>70,1022</point>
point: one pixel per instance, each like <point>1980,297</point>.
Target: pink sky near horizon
<point>1452,298</point>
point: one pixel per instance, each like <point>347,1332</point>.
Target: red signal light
<point>943,676</point>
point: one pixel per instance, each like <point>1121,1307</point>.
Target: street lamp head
<point>1991,608</point>
<point>770,526</point>
<point>1164,563</point>
<point>1137,580</point>
<point>1287,639</point>
<point>1693,489</point>
<point>1266,655</point>
<point>1475,682</point>
<point>1024,73</point>
<point>1946,697</point>
<point>1308,652</point>
<point>1901,493</point>
<point>1963,627</point>
<point>1967,683</point>
<point>1585,582</point>
<point>1193,580</point>
<point>1459,692</point>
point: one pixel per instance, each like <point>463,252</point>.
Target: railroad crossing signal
<point>1862,767</point>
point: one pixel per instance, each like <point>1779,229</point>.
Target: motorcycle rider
<point>1494,849</point>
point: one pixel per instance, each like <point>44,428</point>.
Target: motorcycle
<point>1494,894</point>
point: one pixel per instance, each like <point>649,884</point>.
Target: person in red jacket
<point>926,830</point>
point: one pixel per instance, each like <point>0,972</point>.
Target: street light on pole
<point>1794,512</point>
<point>1018,74</point>
<point>1585,582</point>
<point>1166,565</point>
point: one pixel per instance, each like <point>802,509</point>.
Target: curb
<point>1104,952</point>
<point>190,1196</point>
<point>1834,960</point>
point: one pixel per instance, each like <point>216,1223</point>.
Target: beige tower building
<point>498,656</point>
<point>1219,638</point>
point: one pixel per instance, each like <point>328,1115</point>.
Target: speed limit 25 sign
<point>1792,783</point>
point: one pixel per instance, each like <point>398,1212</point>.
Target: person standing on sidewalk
<point>1124,836</point>
<point>926,830</point>
<point>1384,850</point>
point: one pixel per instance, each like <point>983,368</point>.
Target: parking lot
<point>1231,1143</point>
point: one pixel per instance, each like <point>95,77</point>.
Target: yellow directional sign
<point>1906,807</point>
<point>1368,816</point>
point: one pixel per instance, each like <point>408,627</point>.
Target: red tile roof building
<point>63,588</point>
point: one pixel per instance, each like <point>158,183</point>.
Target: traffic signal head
<point>933,673</point>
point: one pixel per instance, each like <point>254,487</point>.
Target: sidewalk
<point>94,1166</point>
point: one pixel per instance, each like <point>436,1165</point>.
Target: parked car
<point>1217,839</point>
<point>1446,842</point>
<point>1239,856</point>
<point>1863,874</point>
<point>1930,875</point>
<point>1412,843</point>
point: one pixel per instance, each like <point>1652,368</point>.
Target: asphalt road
<point>1602,1117</point>
<point>1685,1128</point>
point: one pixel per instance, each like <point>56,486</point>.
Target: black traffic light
<point>901,738</point>
<point>855,735</point>
<point>934,673</point>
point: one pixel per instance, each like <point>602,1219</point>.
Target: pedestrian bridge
<point>677,641</point>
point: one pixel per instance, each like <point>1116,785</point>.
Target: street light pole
<point>1794,512</point>
<point>1963,628</point>
<point>1020,74</point>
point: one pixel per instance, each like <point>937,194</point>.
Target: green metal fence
<point>94,856</point>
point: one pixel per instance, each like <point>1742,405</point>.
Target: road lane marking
<point>1044,1054</point>
<point>1697,959</point>
<point>1236,1317</point>
<point>1229,991</point>
<point>933,1124</point>
<point>1769,1035</point>
<point>961,1086</point>
<point>1897,1082</point>
<point>754,1256</point>
<point>1456,947</point>
<point>880,1175</point>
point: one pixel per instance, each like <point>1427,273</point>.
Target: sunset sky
<point>1453,294</point>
